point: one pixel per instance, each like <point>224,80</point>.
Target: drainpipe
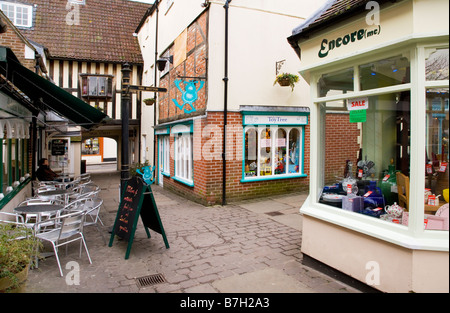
<point>156,80</point>
<point>225,108</point>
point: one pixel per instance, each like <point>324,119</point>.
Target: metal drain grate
<point>275,213</point>
<point>150,280</point>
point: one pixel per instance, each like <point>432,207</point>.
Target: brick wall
<point>341,144</point>
<point>193,66</point>
<point>12,40</point>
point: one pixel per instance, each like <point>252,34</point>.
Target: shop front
<point>266,152</point>
<point>379,178</point>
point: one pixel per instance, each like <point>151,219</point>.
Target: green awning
<point>53,97</point>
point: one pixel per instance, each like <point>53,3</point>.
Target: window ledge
<point>13,193</point>
<point>389,232</point>
<point>165,174</point>
<point>272,177</point>
<point>183,181</point>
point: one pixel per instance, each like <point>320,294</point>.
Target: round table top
<point>55,192</point>
<point>38,208</point>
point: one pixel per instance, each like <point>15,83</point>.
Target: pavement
<point>251,246</point>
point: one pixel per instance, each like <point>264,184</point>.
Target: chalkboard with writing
<point>137,200</point>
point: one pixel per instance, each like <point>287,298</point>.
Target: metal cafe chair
<point>93,206</point>
<point>18,222</point>
<point>69,229</point>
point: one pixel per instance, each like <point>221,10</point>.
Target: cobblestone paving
<point>211,248</point>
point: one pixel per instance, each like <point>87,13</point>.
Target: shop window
<point>272,152</point>
<point>165,155</point>
<point>96,86</point>
<point>362,155</point>
<point>340,82</point>
<point>91,146</point>
<point>437,157</point>
<point>13,154</point>
<point>20,15</point>
<point>184,158</point>
<point>437,65</point>
<point>384,73</point>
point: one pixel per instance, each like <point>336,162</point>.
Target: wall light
<point>161,63</point>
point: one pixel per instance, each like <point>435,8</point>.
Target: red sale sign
<point>358,104</point>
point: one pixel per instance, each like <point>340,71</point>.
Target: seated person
<point>44,173</point>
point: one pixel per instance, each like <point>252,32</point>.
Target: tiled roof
<point>334,11</point>
<point>105,30</point>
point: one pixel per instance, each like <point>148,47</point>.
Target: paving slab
<point>265,206</point>
<point>269,280</point>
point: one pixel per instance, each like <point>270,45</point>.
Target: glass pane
<point>251,150</point>
<point>437,65</point>
<point>93,86</point>
<point>101,86</point>
<point>265,161</point>
<point>280,152</point>
<point>294,151</point>
<point>109,88</point>
<point>336,83</point>
<point>84,86</point>
<point>383,73</point>
<point>361,159</point>
<point>436,167</point>
<point>4,159</point>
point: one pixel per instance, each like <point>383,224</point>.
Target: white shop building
<point>379,78</point>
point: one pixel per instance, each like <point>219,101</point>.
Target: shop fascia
<point>357,35</point>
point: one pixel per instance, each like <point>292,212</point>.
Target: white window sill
<point>434,240</point>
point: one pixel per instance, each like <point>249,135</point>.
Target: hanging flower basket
<point>286,79</point>
<point>284,82</point>
<point>149,101</point>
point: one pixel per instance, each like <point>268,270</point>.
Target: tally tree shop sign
<point>372,18</point>
<point>275,120</point>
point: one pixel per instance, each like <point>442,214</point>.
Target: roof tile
<point>105,31</point>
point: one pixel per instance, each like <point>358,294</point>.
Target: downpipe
<point>225,109</point>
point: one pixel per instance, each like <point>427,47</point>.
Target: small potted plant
<point>149,101</point>
<point>17,251</point>
<point>286,79</point>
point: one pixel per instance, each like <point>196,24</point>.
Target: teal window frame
<point>176,131</point>
<point>300,126</point>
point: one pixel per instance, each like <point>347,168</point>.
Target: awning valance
<point>53,97</point>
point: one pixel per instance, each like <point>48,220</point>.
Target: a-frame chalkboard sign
<point>137,200</point>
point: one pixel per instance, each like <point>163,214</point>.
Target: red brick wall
<point>341,144</point>
<point>193,66</point>
<point>12,40</point>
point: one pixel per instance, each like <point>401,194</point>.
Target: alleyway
<point>253,247</point>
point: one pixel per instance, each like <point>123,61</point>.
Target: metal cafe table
<point>56,192</point>
<point>38,209</point>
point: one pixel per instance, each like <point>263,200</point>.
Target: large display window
<point>366,157</point>
<point>272,152</point>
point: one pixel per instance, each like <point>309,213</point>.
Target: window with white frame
<point>273,152</point>
<point>19,14</point>
<point>165,154</point>
<point>184,171</point>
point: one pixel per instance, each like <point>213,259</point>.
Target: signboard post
<point>137,200</point>
<point>134,88</point>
